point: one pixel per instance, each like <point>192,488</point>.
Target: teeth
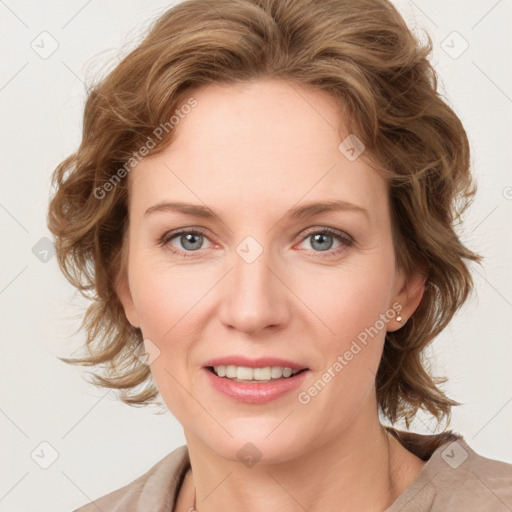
<point>256,374</point>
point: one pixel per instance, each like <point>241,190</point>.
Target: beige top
<point>454,479</point>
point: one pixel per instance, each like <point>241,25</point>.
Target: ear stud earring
<point>399,318</point>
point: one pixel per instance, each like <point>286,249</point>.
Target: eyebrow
<point>298,212</point>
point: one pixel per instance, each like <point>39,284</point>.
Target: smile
<point>247,374</point>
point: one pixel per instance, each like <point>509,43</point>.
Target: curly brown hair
<point>362,53</point>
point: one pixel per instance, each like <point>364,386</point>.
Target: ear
<point>125,296</point>
<point>409,292</point>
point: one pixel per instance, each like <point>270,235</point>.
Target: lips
<point>253,392</point>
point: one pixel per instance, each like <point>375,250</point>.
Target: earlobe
<point>125,296</point>
<point>409,297</point>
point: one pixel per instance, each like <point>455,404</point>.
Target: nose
<point>254,296</point>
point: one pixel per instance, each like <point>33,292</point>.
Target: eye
<point>189,240</point>
<point>321,240</point>
<point>192,240</point>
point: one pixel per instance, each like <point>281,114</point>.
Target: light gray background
<point>103,444</point>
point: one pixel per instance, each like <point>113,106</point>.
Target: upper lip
<point>259,362</point>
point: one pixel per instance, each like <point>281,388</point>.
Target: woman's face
<point>255,280</point>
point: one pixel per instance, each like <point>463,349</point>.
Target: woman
<point>217,159</point>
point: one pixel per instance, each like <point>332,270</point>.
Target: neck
<point>194,507</point>
<point>361,470</point>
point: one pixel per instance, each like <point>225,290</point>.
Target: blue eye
<point>322,240</point>
<point>192,240</point>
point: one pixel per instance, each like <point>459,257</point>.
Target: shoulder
<point>457,478</point>
<point>467,479</point>
<point>154,490</point>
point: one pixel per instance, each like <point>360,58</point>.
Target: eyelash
<point>345,239</point>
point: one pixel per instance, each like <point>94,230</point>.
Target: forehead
<point>257,119</point>
<point>260,142</point>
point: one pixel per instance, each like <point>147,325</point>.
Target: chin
<point>259,444</point>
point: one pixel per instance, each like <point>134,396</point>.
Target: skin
<point>251,152</point>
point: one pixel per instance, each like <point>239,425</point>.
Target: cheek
<point>165,297</point>
<point>350,338</point>
<point>350,300</point>
<point>168,304</point>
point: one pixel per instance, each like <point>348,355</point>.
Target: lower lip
<point>254,392</point>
